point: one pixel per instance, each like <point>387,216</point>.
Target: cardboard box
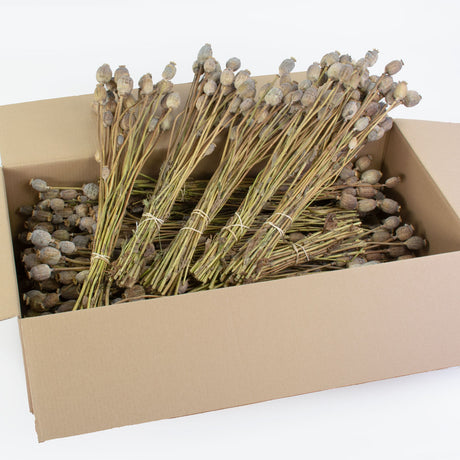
<point>96,369</point>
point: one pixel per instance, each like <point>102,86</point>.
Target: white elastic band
<point>96,255</point>
<point>280,230</point>
<point>191,228</point>
<point>201,214</point>
<point>284,215</point>
<point>148,216</point>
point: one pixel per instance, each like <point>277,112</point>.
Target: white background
<point>52,49</point>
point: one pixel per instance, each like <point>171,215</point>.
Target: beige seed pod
<point>304,84</point>
<point>172,101</point>
<point>210,149</point>
<point>169,71</point>
<point>40,272</point>
<point>334,71</point>
<point>380,235</point>
<point>51,193</point>
<point>50,256</point>
<point>361,124</point>
<point>309,96</point>
<point>412,98</point>
<point>124,86</point>
<point>348,201</point>
<point>51,300</point>
<point>314,72</point>
<point>400,91</point>
<point>66,306</point>
<point>371,176</point>
<point>389,206</point>
<point>107,118</point>
<point>80,277</point>
<point>122,71</point>
<point>42,216</point>
<point>61,235</point>
<point>86,224</point>
<point>166,123</point>
<point>293,97</point>
<point>153,123</point>
<point>91,190</point>
<point>376,133</point>
<point>38,185</point>
<point>330,58</point>
<point>57,204</point>
<point>68,194</point>
<point>392,181</point>
<point>350,110</point>
<point>81,210</point>
<point>66,277</point>
<point>44,205</point>
<point>374,255</point>
<point>415,243</point>
<point>397,251</point>
<point>136,291</point>
<point>67,248</point>
<point>346,173</point>
<point>286,88</point>
<point>210,87</point>
<point>247,89</point>
<point>104,73</point>
<point>70,292</point>
<point>393,67</point>
<point>357,262</point>
<point>30,260</point>
<point>386,84</point>
<point>371,57</point>
<point>81,241</point>
<point>40,238</point>
<point>204,53</point>
<point>210,65</point>
<point>100,94</point>
<point>247,104</point>
<point>296,236</point>
<point>72,221</point>
<point>345,59</point>
<point>349,190</point>
<point>227,77</point>
<point>366,205</point>
<point>352,181</point>
<point>363,163</point>
<point>404,232</point>
<point>287,66</point>
<point>366,191</point>
<point>146,85</point>
<point>355,95</point>
<point>241,77</point>
<point>392,222</point>
<point>233,64</point>
<point>201,102</point>
<point>286,78</point>
<point>36,301</point>
<point>372,109</point>
<point>274,97</point>
<point>386,124</point>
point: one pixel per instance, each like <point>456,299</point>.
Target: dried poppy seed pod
<point>361,124</point>
<point>412,98</point>
<point>366,191</point>
<point>169,71</point>
<point>372,109</point>
<point>334,71</point>
<point>66,277</point>
<point>57,204</point>
<point>389,206</point>
<point>350,110</point>
<point>296,236</point>
<point>404,232</point>
<point>201,102</point>
<point>172,101</point>
<point>400,91</point>
<point>40,272</point>
<point>346,173</point>
<point>415,243</point>
<point>49,255</point>
<point>287,66</point>
<point>330,58</point>
<point>72,221</point>
<point>380,235</point>
<point>247,104</point>
<point>136,291</point>
<point>233,64</point>
<point>104,73</point>
<point>314,72</point>
<point>392,181</point>
<point>309,96</point>
<point>42,216</point>
<point>304,84</point>
<point>386,84</point>
<point>38,185</point>
<point>392,222</point>
<point>166,123</point>
<point>100,94</point>
<point>67,248</point>
<point>210,65</point>
<point>210,87</point>
<point>81,241</point>
<point>293,97</point>
<point>52,193</point>
<point>30,260</point>
<point>107,118</point>
<point>348,201</point>
<point>241,77</point>
<point>363,163</point>
<point>366,205</point>
<point>345,59</point>
<point>66,306</point>
<point>61,234</point>
<point>204,53</point>
<point>227,77</point>
<point>40,238</point>
<point>274,97</point>
<point>43,205</point>
<point>371,57</point>
<point>91,190</point>
<point>376,133</point>
<point>146,85</point>
<point>51,300</point>
<point>371,176</point>
<point>386,124</point>
<point>68,194</point>
<point>124,86</point>
<point>393,67</point>
<point>70,292</point>
<point>80,277</point>
<point>357,262</point>
<point>397,251</point>
<point>86,224</point>
<point>81,210</point>
<point>122,71</point>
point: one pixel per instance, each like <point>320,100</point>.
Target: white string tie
<point>96,255</point>
<point>201,214</point>
<point>149,216</point>
<point>284,215</point>
<point>280,230</point>
<point>191,228</point>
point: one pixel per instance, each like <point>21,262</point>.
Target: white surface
<point>52,49</point>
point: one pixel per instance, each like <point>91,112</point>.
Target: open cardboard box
<point>96,369</point>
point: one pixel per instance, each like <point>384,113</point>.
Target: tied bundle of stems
<point>264,124</point>
<point>208,111</point>
<point>356,125</point>
<point>129,129</point>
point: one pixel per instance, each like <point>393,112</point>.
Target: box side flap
<point>438,147</point>
<point>96,369</point>
<point>9,297</point>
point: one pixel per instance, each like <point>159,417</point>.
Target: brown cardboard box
<point>96,369</point>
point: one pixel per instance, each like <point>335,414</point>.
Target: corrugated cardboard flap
<point>438,148</point>
<point>9,299</point>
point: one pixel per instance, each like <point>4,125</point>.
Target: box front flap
<point>112,366</point>
<point>438,147</point>
<point>9,297</point>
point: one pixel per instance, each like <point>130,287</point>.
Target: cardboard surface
<point>9,299</point>
<point>96,369</point>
